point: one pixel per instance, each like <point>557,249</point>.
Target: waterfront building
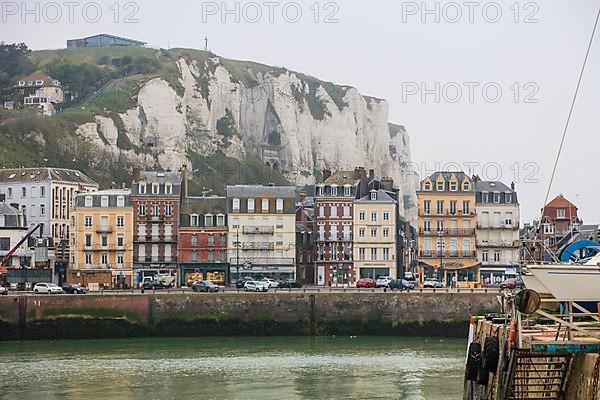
<point>446,241</point>
<point>103,40</point>
<point>155,199</point>
<point>13,227</point>
<point>497,231</point>
<point>261,231</point>
<point>102,239</point>
<point>375,235</point>
<point>305,262</point>
<point>333,219</point>
<point>202,244</point>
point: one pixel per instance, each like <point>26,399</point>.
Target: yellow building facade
<point>375,236</point>
<point>446,243</point>
<point>102,239</point>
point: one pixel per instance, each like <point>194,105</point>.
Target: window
<point>548,229</point>
<point>453,207</point>
<point>509,197</point>
<point>466,207</point>
<point>154,231</point>
<point>155,210</point>
<point>168,209</point>
<point>104,201</point>
<point>466,187</point>
<point>9,193</point>
<point>440,225</point>
<point>427,226</point>
<point>142,230</point>
<point>484,256</point>
<point>194,257</point>
<point>386,215</point>
<point>346,211</point>
<point>120,221</point>
<point>439,186</point>
<point>373,216</point>
<point>279,223</point>
<point>321,211</point>
<point>235,223</point>
<point>211,239</point>
<point>250,205</point>
<point>334,190</point>
<point>279,205</point>
<point>373,232</point>
<point>104,240</point>
<point>211,256</point>
<point>220,220</point>
<point>485,198</point>
<point>87,221</point>
<point>223,240</point>
<point>508,221</point>
<point>142,209</point>
<point>386,232</point>
<point>361,254</point>
<point>453,186</point>
<point>386,254</point>
<point>373,254</point>
<point>440,207</point>
<point>427,207</point>
<point>496,198</point>
<point>104,258</point>
<point>319,190</point>
<point>120,259</point>
<point>168,188</point>
<point>194,240</point>
<point>88,258</point>
<point>265,205</point>
<point>167,252</point>
<point>142,188</point>
<point>361,215</point>
<point>427,186</point>
<point>279,240</point>
<point>88,240</point>
<point>120,201</point>
<point>120,240</point>
<point>88,201</point>
<point>347,190</point>
<point>42,209</point>
<point>236,204</point>
<point>42,191</point>
<point>168,231</point>
<point>208,220</point>
<point>155,188</point>
<point>333,212</point>
<point>560,213</point>
<point>361,232</point>
<point>194,220</point>
<point>23,192</point>
<point>373,195</point>
<point>496,256</point>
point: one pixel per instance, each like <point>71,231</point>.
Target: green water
<point>234,368</point>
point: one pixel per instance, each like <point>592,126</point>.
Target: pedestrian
<point>453,284</point>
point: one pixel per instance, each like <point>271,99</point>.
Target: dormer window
<point>347,190</point>
<point>21,83</point>
<point>168,188</point>
<point>208,220</point>
<point>466,187</point>
<point>319,190</point>
<point>334,190</point>
<point>485,198</point>
<point>373,195</point>
<point>453,186</point>
<point>142,188</point>
<point>236,204</point>
<point>88,201</point>
<point>496,198</point>
<point>194,220</point>
<point>39,82</point>
<point>250,205</point>
<point>560,213</point>
<point>509,197</point>
<point>439,186</point>
<point>427,186</point>
<point>155,188</point>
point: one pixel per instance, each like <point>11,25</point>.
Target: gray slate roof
<point>243,191</point>
<point>382,197</point>
<point>44,174</point>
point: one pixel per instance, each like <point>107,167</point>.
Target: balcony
<point>446,254</point>
<point>448,232</point>
<point>104,229</point>
<point>340,237</point>
<point>258,246</point>
<point>503,244</point>
<point>258,230</point>
<point>498,226</point>
<point>263,260</point>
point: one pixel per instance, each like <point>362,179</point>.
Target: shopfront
<point>166,272</point>
<point>492,276</point>
<point>257,271</point>
<point>467,274</point>
<point>217,273</point>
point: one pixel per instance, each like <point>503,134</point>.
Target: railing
<point>258,246</point>
<point>448,232</point>
<point>333,238</point>
<point>262,260</point>
<point>514,244</point>
<point>498,226</point>
<point>104,229</point>
<point>446,254</point>
<point>261,230</point>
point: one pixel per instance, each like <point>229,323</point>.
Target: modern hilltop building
<point>447,228</point>
<point>155,198</point>
<point>261,224</point>
<point>102,239</point>
<point>102,40</point>
<point>203,240</point>
<point>497,231</point>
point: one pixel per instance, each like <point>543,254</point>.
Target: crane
<point>10,253</point>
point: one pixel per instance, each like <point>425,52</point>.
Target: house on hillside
<point>102,40</point>
<point>39,91</point>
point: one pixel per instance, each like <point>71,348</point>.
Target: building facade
<point>155,199</point>
<point>497,231</point>
<point>13,227</point>
<point>261,231</point>
<point>305,250</point>
<point>446,241</point>
<point>102,40</point>
<point>375,234</point>
<point>333,220</point>
<point>203,240</point>
<point>102,239</point>
<point>39,91</point>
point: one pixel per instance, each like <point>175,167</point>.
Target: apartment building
<point>261,231</point>
<point>446,241</point>
<point>101,239</point>
<point>155,199</point>
<point>375,234</point>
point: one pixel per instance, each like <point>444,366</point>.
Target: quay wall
<point>64,316</point>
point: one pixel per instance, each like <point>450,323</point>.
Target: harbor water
<point>234,368</point>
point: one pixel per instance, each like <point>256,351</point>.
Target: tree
<point>14,62</point>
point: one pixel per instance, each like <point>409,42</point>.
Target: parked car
<point>512,283</point>
<point>153,285</point>
<point>256,286</point>
<point>271,282</point>
<point>242,281</point>
<point>383,281</point>
<point>432,283</point>
<point>205,286</point>
<point>49,288</point>
<point>74,289</point>
<point>3,291</point>
<point>401,284</point>
<point>290,284</point>
<point>409,276</point>
<point>365,283</point>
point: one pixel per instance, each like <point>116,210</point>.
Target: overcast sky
<point>531,51</point>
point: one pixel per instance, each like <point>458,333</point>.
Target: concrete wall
<point>240,314</point>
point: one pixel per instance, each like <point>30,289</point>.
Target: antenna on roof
<point>205,43</point>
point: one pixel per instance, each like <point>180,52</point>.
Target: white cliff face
<point>294,123</point>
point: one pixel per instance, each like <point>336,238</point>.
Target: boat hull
<point>568,283</point>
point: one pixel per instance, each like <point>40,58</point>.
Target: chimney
<point>326,174</point>
<point>184,181</point>
<point>136,173</point>
<point>371,174</point>
<point>512,186</point>
<point>387,183</point>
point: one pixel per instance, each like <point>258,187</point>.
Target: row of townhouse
<point>468,229</point>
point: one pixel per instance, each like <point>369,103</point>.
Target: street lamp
<point>237,252</point>
<point>441,247</point>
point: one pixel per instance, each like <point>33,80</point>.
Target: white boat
<point>569,282</point>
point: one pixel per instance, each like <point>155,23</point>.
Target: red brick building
<point>155,198</point>
<point>333,223</point>
<point>305,250</point>
<point>203,240</point>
